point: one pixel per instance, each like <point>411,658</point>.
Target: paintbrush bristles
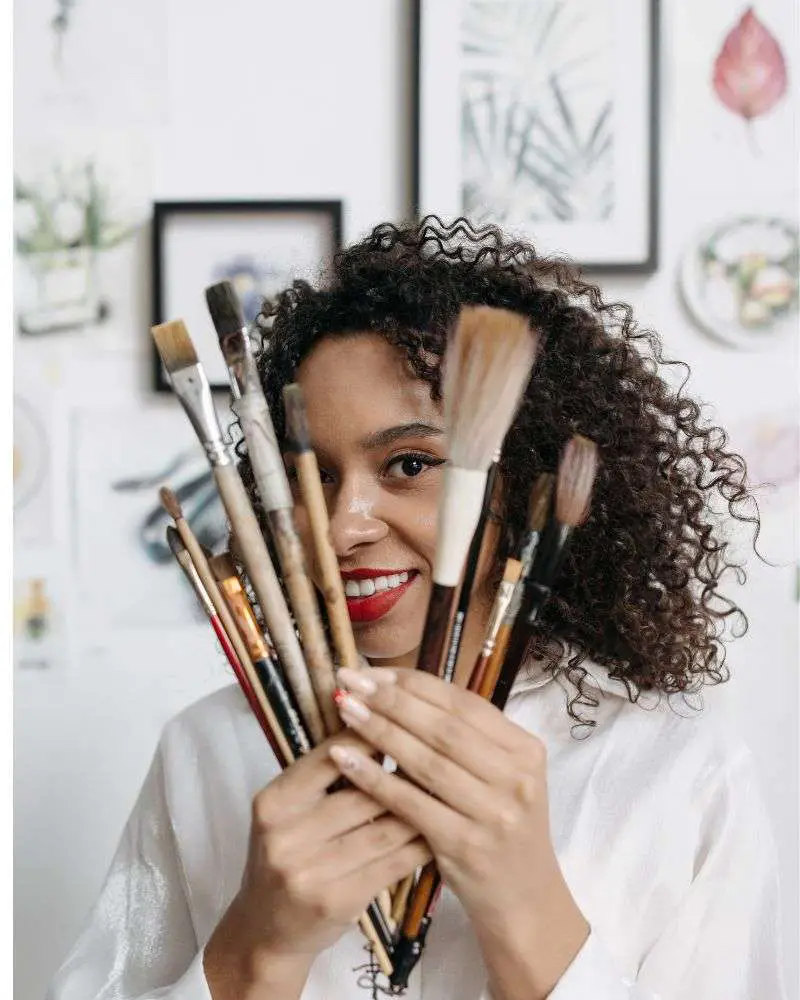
<point>297,433</point>
<point>174,345</point>
<point>539,506</point>
<point>222,566</point>
<point>487,366</point>
<point>225,309</point>
<point>170,503</point>
<point>576,473</point>
<point>175,542</point>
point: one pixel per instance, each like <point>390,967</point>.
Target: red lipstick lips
<point>371,608</point>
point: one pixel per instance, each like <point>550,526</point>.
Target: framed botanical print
<point>541,116</point>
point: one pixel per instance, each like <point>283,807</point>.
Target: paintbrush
<point>299,444</point>
<point>250,406</point>
<point>173,508</point>
<point>502,601</point>
<point>487,366</point>
<point>470,571</point>
<point>372,923</point>
<point>181,554</point>
<point>422,902</point>
<point>223,568</point>
<point>190,385</point>
<point>576,474</point>
<point>490,660</point>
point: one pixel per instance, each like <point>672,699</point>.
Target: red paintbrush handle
<point>244,684</point>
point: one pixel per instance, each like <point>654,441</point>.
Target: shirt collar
<point>533,676</point>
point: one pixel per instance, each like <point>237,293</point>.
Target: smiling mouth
<point>372,594</point>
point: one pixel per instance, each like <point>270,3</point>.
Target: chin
<point>380,641</point>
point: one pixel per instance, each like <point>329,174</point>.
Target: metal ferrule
<point>505,595</point>
<point>192,389</point>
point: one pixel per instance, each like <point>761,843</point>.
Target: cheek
<point>418,523</point>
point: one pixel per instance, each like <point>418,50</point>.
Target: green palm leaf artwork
<point>537,111</point>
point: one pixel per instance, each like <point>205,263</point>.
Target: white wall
<point>271,99</point>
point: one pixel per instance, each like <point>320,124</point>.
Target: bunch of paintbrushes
<point>285,667</point>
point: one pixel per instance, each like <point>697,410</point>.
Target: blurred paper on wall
<point>33,455</point>
<point>39,612</point>
<point>94,61</point>
<point>120,458</point>
<point>80,201</point>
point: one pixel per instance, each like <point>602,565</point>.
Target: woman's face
<point>379,441</point>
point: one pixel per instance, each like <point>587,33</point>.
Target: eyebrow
<point>382,438</point>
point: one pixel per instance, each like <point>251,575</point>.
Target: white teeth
<point>366,588</point>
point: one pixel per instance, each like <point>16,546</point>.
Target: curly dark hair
<point>638,592</point>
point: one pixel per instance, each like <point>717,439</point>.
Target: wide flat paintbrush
<point>576,475</point>
<point>250,406</point>
<point>224,569</point>
<point>184,560</point>
<point>200,562</point>
<point>191,386</point>
<point>487,366</point>
<point>299,444</point>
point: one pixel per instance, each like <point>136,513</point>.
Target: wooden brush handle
<point>303,600</point>
<point>333,588</point>
<point>494,664</point>
<point>244,684</point>
<point>400,899</point>
<point>420,900</point>
<point>220,606</point>
<point>261,573</point>
<point>437,625</point>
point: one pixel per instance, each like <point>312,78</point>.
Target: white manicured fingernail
<point>348,760</point>
<point>351,709</point>
<point>357,680</point>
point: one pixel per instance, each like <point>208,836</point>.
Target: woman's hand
<point>315,861</point>
<point>479,798</point>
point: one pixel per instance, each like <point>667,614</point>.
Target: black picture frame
<point>168,216</point>
<point>645,262</point>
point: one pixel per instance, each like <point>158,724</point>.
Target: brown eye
<point>410,466</point>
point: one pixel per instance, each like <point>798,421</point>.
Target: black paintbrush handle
<point>537,589</point>
<point>278,697</point>
<point>437,625</point>
<point>473,555</point>
<point>533,600</point>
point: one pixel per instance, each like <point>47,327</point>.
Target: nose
<point>354,518</point>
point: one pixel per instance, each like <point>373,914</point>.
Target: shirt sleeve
<point>724,940</point>
<point>139,942</point>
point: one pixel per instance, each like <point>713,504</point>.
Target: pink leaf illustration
<point>750,71</point>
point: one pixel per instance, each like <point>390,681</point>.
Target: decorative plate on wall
<point>739,281</point>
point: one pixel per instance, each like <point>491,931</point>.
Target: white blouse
<point>656,817</point>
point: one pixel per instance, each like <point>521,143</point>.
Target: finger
<point>360,848</point>
<point>325,821</point>
<point>476,712</point>
<point>436,821</point>
<point>439,775</point>
<point>303,783</point>
<point>390,868</point>
<point>443,731</point>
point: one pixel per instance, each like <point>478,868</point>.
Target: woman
<point>598,839</point>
